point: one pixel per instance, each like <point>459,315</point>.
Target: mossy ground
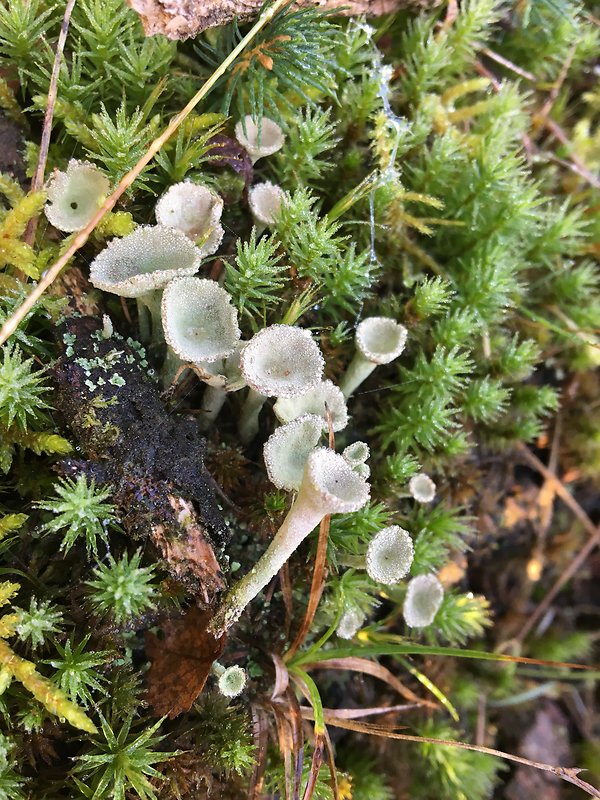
<point>441,169</point>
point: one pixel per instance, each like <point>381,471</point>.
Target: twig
<point>561,490</point>
<point>579,559</point>
<point>38,177</point>
<point>549,104</point>
<point>577,165</point>
<point>126,181</point>
<point>508,64</point>
<point>569,774</point>
<point>565,576</point>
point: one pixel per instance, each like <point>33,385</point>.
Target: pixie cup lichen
<point>424,596</point>
<point>195,210</point>
<point>231,681</point>
<point>199,320</point>
<point>356,453</point>
<point>350,623</point>
<point>260,138</point>
<point>389,555</point>
<point>323,399</point>
<point>379,340</point>
<point>226,377</point>
<point>279,361</point>
<point>329,486</point>
<point>287,449</point>
<point>422,488</point>
<point>74,196</point>
<point>141,264</point>
<point>265,201</point>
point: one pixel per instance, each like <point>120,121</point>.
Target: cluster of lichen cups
<point>196,318</point>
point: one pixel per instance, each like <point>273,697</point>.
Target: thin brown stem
<point>570,774</point>
<point>127,180</point>
<point>38,177</point>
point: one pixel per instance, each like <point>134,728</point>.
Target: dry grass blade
<point>282,678</point>
<point>569,774</point>
<point>284,738</point>
<point>373,711</point>
<point>316,587</point>
<point>295,716</point>
<point>127,180</point>
<point>38,177</point>
<point>315,768</point>
<point>367,667</point>
<point>331,765</point>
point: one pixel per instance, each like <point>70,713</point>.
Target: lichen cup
<point>280,361</point>
<point>141,264</point>
<point>379,340</point>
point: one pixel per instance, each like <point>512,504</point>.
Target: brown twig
<point>569,774</point>
<point>561,490</point>
<point>38,176</point>
<point>127,180</point>
<point>578,165</point>
<point>508,64</point>
<point>579,559</point>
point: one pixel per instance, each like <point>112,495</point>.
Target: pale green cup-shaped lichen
<point>74,196</point>
<point>141,264</point>
<point>356,453</point>
<point>379,340</point>
<point>230,680</point>
<point>281,361</point>
<point>260,139</point>
<point>422,488</point>
<point>265,201</point>
<point>287,449</point>
<point>329,486</point>
<point>350,623</point>
<point>323,397</point>
<point>199,320</point>
<point>424,596</point>
<point>389,555</point>
<point>195,210</point>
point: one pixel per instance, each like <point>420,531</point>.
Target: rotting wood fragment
<point>182,19</point>
<point>153,460</point>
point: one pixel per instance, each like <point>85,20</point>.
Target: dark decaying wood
<point>153,460</point>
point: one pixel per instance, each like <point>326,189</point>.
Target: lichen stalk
<point>303,517</point>
<point>213,401</point>
<point>248,420</point>
<point>358,371</point>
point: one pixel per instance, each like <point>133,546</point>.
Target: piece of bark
<point>180,662</point>
<point>182,19</point>
<point>153,460</point>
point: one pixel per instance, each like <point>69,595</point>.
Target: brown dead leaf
<point>181,661</point>
<point>182,19</point>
